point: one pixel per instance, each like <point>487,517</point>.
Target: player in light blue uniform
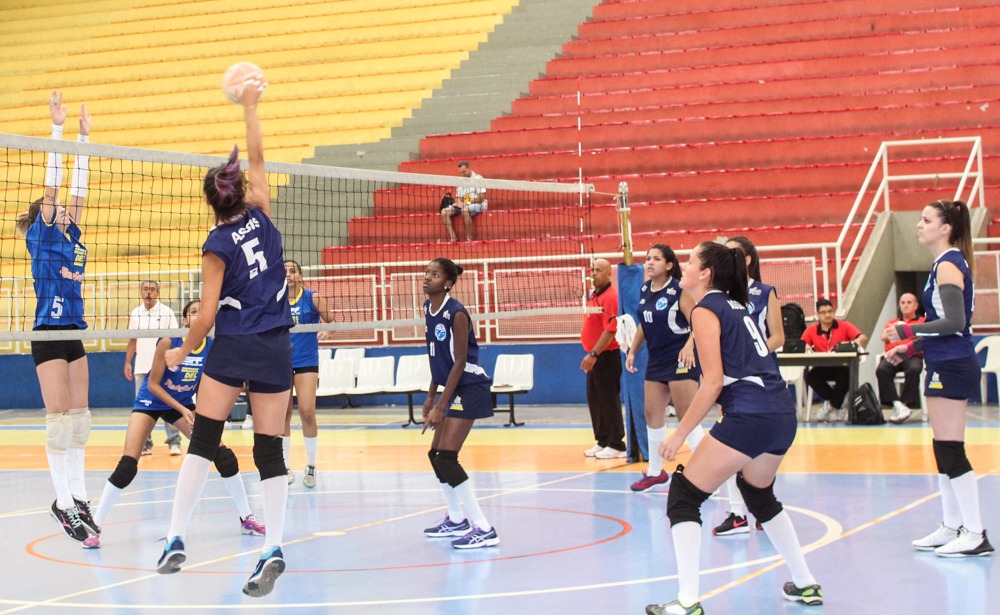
<point>243,297</point>
<point>751,437</point>
<point>307,308</point>
<point>953,375</point>
<point>169,394</point>
<point>671,373</point>
<point>58,259</point>
<point>766,313</point>
<point>454,357</point>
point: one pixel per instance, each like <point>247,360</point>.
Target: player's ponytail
<point>670,257</point>
<point>224,188</point>
<point>729,269</point>
<point>753,269</point>
<point>25,219</point>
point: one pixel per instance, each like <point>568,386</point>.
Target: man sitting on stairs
<point>468,203</point>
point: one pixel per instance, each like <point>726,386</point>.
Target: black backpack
<point>867,409</point>
<point>793,322</point>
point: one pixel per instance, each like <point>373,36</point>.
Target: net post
<point>625,221</point>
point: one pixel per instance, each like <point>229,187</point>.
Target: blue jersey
<point>180,384</point>
<point>751,381</point>
<point>305,346</point>
<point>663,324</point>
<point>759,294</point>
<point>956,345</point>
<point>441,344</point>
<point>57,263</point>
<point>253,288</point>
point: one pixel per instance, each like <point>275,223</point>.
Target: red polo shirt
<point>596,324</point>
<point>840,331</point>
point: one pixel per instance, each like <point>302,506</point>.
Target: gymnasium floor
<point>574,539</point>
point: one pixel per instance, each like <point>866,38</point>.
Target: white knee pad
<point>81,427</point>
<point>58,433</point>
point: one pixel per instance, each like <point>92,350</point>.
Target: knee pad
<point>58,433</point>
<point>125,472</point>
<point>684,500</point>
<point>432,455</point>
<point>760,501</point>
<point>951,458</point>
<point>268,457</point>
<point>449,470</point>
<point>205,437</point>
<point>226,462</point>
<point>81,427</point>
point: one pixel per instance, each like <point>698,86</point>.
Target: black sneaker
<point>70,521</point>
<point>733,524</point>
<point>759,527</point>
<point>86,517</point>
<point>810,595</point>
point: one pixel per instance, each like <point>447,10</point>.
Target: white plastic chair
<point>514,374</point>
<point>374,376</point>
<point>992,346</point>
<point>413,374</point>
<point>325,354</point>
<point>351,354</point>
<point>336,377</point>
<point>795,375</point>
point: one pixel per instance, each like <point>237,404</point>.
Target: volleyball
<point>235,77</point>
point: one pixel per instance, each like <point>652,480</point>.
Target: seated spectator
<point>823,337</point>
<point>911,367</point>
<point>468,203</point>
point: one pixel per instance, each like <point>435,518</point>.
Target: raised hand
<point>56,108</point>
<point>84,120</point>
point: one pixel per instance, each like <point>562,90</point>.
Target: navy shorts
<point>756,434</point>
<point>471,401</point>
<point>66,350</point>
<point>957,379</point>
<point>169,415</point>
<point>262,360</point>
<point>670,372</point>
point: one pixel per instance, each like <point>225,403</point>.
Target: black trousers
<point>886,372</point>
<point>604,382</point>
<point>818,378</point>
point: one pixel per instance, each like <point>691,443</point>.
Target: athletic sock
<point>736,504</point>
<point>286,450</point>
<point>76,474</point>
<point>655,435</point>
<point>781,532</point>
<point>695,436</point>
<point>454,506</point>
<point>190,483</point>
<point>60,480</point>
<point>108,498</point>
<point>275,492</point>
<point>967,494</point>
<point>467,497</point>
<point>312,444</point>
<point>687,551</point>
<point>951,514</point>
<point>238,492</point>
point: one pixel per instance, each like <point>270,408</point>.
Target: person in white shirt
<point>469,202</point>
<point>151,314</point>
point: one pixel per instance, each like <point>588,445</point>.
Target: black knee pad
<point>951,458</point>
<point>205,437</point>
<point>684,500</point>
<point>268,457</point>
<point>432,455</point>
<point>125,472</point>
<point>760,501</point>
<point>226,463</point>
<point>449,470</point>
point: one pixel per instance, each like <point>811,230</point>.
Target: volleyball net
<point>363,240</point>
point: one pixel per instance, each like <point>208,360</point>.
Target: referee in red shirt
<point>603,366</point>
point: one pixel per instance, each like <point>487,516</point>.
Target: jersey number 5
<point>254,257</point>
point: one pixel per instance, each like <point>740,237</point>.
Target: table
<point>827,359</point>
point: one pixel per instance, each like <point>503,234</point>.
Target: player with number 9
<point>243,297</point>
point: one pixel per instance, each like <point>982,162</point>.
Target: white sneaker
<point>610,453</point>
<point>824,413</point>
<point>841,415</point>
<point>671,411</point>
<point>939,537</point>
<point>248,423</point>
<point>968,544</point>
<point>593,450</point>
<point>903,412</point>
<point>291,476</point>
<point>175,449</point>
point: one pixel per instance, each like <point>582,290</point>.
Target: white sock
<point>238,491</point>
<point>655,436</point>
<point>76,474</point>
<point>687,551</point>
<point>695,436</point>
<point>951,514</point>
<point>467,497</point>
<point>275,492</point>
<point>967,493</point>
<point>60,480</point>
<point>781,532</point>
<point>312,444</point>
<point>190,483</point>
<point>108,498</point>
<point>736,504</point>
<point>454,506</point>
<point>286,450</point>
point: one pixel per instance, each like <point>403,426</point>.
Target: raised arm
<point>53,161</point>
<point>259,194</point>
<point>81,171</point>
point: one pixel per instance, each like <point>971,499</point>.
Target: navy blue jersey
<point>759,294</point>
<point>305,346</point>
<point>663,323</point>
<point>254,286</point>
<point>441,344</point>
<point>956,345</point>
<point>180,384</point>
<point>751,381</point>
<point>57,263</point>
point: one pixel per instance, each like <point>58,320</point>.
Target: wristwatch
<point>593,354</point>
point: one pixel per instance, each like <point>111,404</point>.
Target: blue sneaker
<point>269,568</point>
<point>477,538</point>
<point>173,556</point>
<point>447,527</point>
